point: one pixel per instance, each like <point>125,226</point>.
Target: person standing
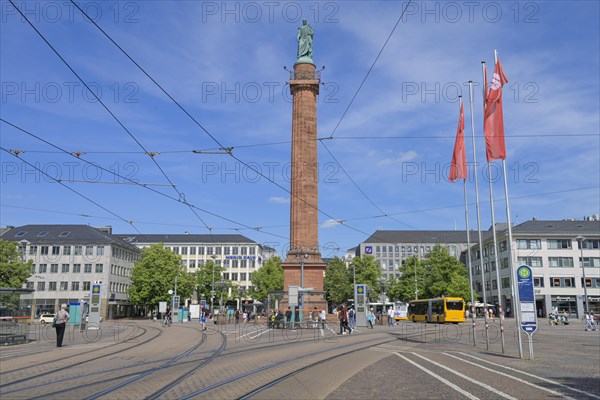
<point>323,318</point>
<point>61,324</point>
<point>390,314</point>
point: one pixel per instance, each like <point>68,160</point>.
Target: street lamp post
<point>582,239</point>
<point>212,286</point>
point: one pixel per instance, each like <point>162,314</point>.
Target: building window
<point>100,250</point>
<point>591,244</point>
<point>64,286</point>
<point>243,263</point>
<point>533,244</point>
<point>502,245</point>
<point>226,276</point>
<point>226,263</point>
<point>209,251</point>
<point>562,282</point>
<point>218,250</point>
<point>74,285</point>
<point>559,243</point>
<point>55,250</point>
<point>243,276</point>
<point>33,268</point>
<point>76,268</point>
<point>538,282</point>
<point>505,283</point>
<point>234,276</point>
<point>65,268</point>
<point>590,262</point>
<point>591,282</point>
<point>86,285</point>
<point>99,268</point>
<point>252,251</point>
<point>201,250</point>
<point>66,250</point>
<point>192,263</point>
<point>52,286</point>
<point>184,251</point>
<point>504,263</point>
<point>44,250</point>
<point>43,268</point>
<point>560,262</point>
<point>87,268</point>
<point>41,286</point>
<point>234,263</point>
<point>89,250</point>
<point>33,250</point>
<point>78,250</point>
<point>193,250</point>
<point>176,249</point>
<point>493,264</point>
<point>53,268</point>
<point>534,262</point>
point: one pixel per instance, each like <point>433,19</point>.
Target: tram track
<point>29,378</point>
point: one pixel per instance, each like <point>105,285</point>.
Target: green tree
<point>446,276</point>
<point>412,271</point>
<point>154,275</point>
<point>338,282</point>
<point>13,272</point>
<point>268,278</point>
<point>204,277</point>
<point>394,289</point>
<point>368,272</point>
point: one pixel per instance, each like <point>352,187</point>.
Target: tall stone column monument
<point>303,265</point>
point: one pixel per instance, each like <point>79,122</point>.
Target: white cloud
<point>330,223</point>
<point>279,200</point>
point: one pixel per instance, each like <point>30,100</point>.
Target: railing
<point>304,75</point>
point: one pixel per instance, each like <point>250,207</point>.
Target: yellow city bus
<point>440,310</point>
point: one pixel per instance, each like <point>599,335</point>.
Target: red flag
<point>493,127</point>
<point>458,168</point>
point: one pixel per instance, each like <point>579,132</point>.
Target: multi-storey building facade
<point>553,250</point>
<point>240,257</point>
<point>391,248</point>
<point>68,259</point>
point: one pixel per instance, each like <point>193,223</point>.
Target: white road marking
<point>535,376</point>
<point>445,381</point>
<point>483,385</point>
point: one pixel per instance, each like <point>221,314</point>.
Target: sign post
<point>360,305</point>
<point>529,323</point>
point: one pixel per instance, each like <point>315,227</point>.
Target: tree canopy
<point>13,271</point>
<point>445,275</point>
<point>337,282</point>
<point>154,275</point>
<point>268,278</point>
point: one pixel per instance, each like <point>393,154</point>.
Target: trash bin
<point>221,319</point>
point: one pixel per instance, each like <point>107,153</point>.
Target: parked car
<point>46,318</point>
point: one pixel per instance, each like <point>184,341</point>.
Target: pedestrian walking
<point>61,324</point>
<point>352,318</point>
<point>370,317</point>
<point>343,317</point>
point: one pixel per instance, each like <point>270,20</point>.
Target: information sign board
<point>527,300</point>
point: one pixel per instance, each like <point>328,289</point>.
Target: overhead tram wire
<point>361,191</point>
<point>137,183</point>
<point>200,125</point>
<point>181,195</point>
<point>370,69</point>
<point>216,150</point>
<point>129,222</point>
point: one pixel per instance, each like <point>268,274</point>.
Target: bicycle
<point>166,321</point>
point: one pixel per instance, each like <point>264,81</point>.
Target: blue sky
<point>223,62</point>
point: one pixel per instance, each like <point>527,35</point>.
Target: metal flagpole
<point>487,338</point>
<point>513,271</point>
<point>495,248</point>
<point>469,266</point>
